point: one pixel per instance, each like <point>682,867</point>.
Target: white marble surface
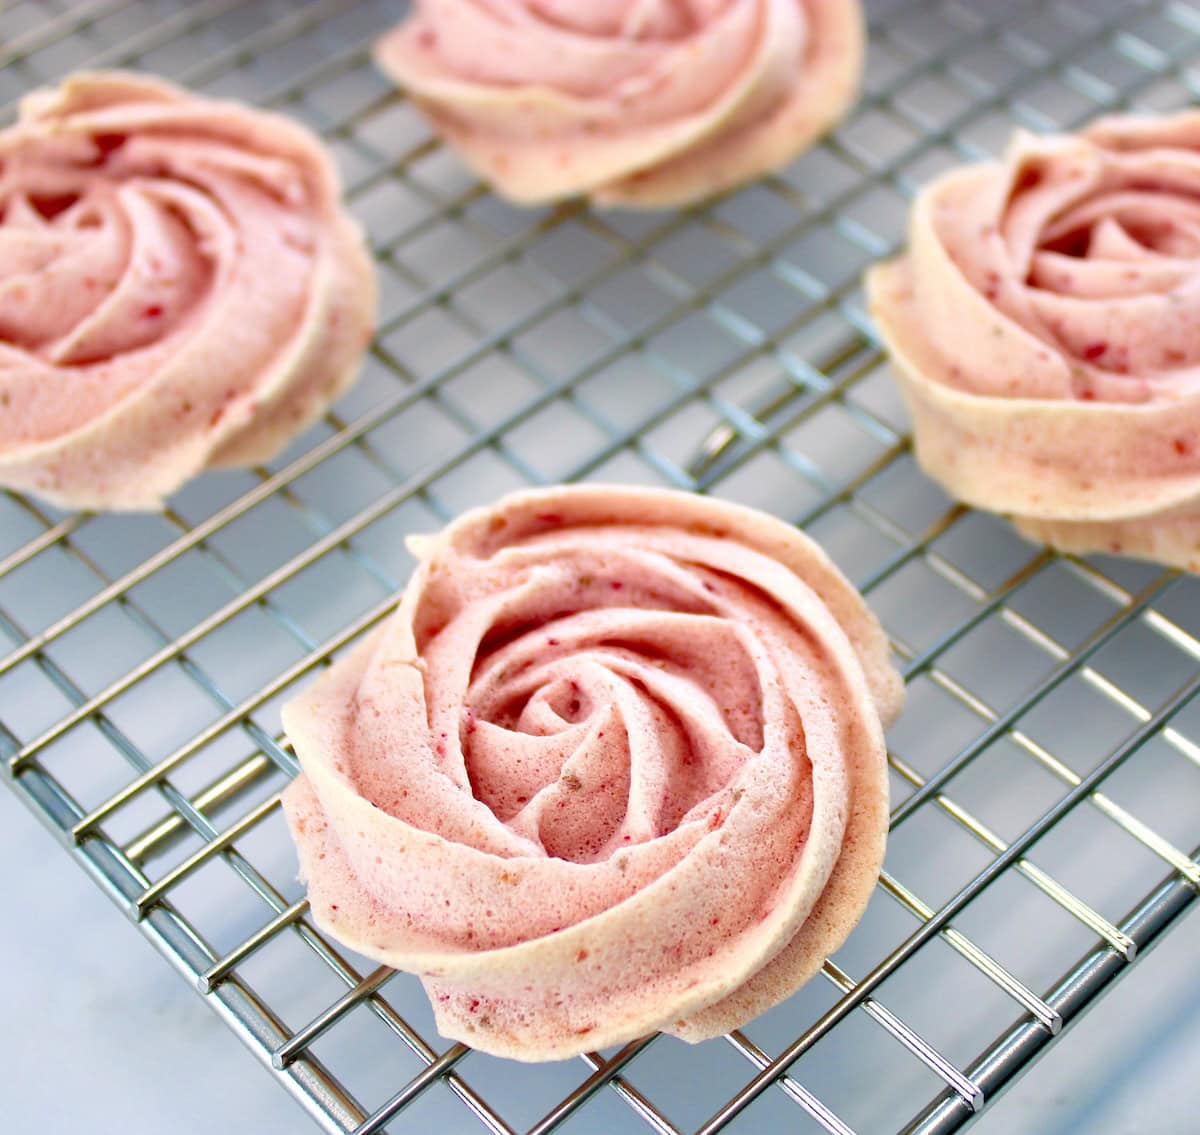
<point>1130,1066</point>
<point>102,1037</point>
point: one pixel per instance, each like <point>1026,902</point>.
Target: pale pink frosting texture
<point>614,765</point>
<point>629,102</point>
<point>179,288</point>
<point>1045,327</point>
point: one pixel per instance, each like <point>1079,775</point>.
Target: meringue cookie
<point>615,764</point>
<point>1045,328</point>
<point>628,102</point>
<point>179,288</point>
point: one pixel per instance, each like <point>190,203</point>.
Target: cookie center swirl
<point>608,701</point>
<point>118,250</point>
<point>99,256</point>
<point>1131,225</point>
<point>1089,249</point>
<point>635,19</point>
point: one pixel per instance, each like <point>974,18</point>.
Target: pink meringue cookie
<point>628,102</point>
<point>1045,327</point>
<point>179,288</point>
<point>615,764</point>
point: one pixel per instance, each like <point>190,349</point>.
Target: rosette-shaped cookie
<point>1045,326</point>
<point>629,102</point>
<point>179,288</point>
<point>614,765</point>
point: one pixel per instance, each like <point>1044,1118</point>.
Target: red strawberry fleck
<point>1095,350</point>
<point>1030,177</point>
<point>50,205</point>
<point>549,517</point>
<point>153,311</point>
<point>1182,446</point>
<point>616,585</point>
<point>107,144</point>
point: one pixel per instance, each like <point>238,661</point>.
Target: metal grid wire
<point>1046,774</point>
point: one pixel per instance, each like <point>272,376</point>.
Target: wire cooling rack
<point>1046,774</point>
